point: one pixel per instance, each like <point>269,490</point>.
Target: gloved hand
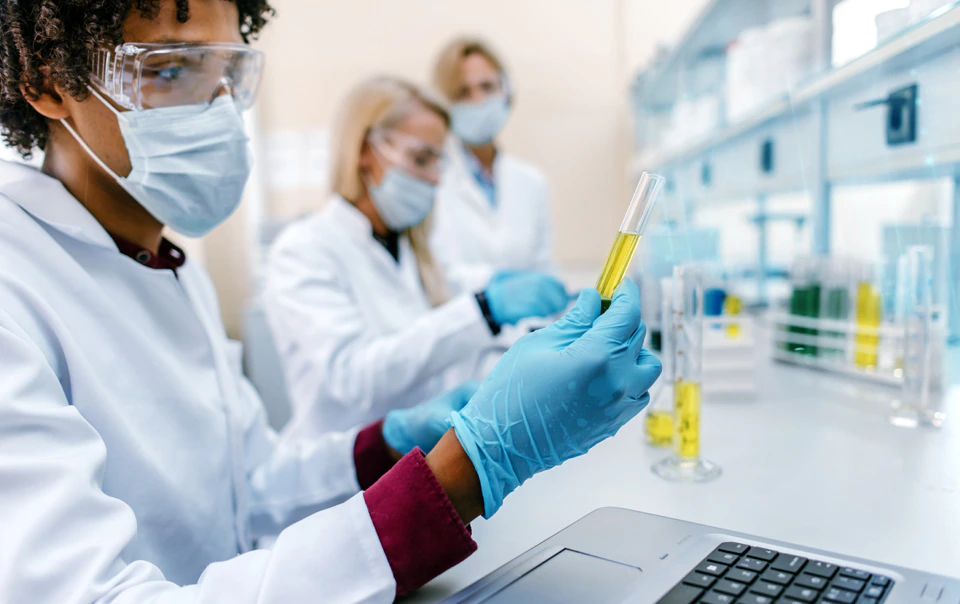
<point>516,295</point>
<point>423,425</point>
<point>558,392</point>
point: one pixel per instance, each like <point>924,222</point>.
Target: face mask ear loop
<point>382,159</point>
<point>90,152</point>
<point>100,98</point>
<point>86,147</point>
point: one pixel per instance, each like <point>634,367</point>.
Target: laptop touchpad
<point>571,577</point>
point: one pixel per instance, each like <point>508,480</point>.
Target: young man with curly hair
<point>136,464</point>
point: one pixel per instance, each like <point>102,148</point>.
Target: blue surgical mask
<point>402,200</point>
<point>189,164</point>
<point>480,123</point>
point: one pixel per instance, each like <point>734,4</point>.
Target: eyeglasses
<point>408,152</point>
<point>146,76</point>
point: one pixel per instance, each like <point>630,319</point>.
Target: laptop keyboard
<point>736,573</point>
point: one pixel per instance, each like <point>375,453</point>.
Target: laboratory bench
<point>811,460</point>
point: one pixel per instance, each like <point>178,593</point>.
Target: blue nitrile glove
<point>557,392</point>
<point>517,295</point>
<point>423,425</point>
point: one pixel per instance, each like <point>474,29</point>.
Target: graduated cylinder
<point>686,345</point>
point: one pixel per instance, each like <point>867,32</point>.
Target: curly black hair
<point>54,40</point>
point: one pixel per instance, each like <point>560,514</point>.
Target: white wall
<point>571,62</point>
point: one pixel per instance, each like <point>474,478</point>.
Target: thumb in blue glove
<point>557,393</point>
<point>517,295</point>
<point>423,425</point>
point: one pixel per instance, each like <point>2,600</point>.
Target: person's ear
<point>48,100</point>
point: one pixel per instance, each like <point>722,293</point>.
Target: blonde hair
<point>446,73</point>
<point>383,102</point>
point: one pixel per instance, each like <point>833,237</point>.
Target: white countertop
<point>812,461</point>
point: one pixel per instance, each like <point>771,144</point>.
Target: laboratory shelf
<point>888,115</point>
<point>934,36</point>
<point>719,24</point>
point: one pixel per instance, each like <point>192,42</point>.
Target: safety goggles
<point>146,76</point>
<point>408,153</point>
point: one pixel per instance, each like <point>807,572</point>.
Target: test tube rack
<point>831,345</point>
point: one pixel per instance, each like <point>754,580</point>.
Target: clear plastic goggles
<point>146,76</point>
<point>408,153</point>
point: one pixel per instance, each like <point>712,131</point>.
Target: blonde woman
<point>493,210</point>
<point>359,308</point>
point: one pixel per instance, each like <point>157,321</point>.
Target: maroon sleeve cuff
<point>371,457</point>
<point>419,529</point>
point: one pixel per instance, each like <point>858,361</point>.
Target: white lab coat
<point>353,327</point>
<point>135,461</point>
<point>473,238</point>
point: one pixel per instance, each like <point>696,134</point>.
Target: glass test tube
<point>645,198</point>
<point>835,304</point>
<point>686,465</point>
<point>733,307</point>
<point>804,303</point>
<point>915,290</point>
<point>869,310</point>
<point>658,424</point>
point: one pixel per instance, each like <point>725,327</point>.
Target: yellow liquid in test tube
<point>617,262</point>
<point>659,428</point>
<point>686,416</point>
<point>869,309</point>
<point>644,199</point>
<point>733,306</point>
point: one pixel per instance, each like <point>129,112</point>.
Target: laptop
<point>618,555</point>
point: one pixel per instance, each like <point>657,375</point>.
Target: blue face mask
<point>402,200</point>
<point>189,164</point>
<point>479,123</point>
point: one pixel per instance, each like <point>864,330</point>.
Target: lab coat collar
<point>350,218</point>
<point>46,199</point>
<point>356,225</point>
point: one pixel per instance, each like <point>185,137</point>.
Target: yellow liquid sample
<point>686,415</point>
<point>659,428</point>
<point>616,267</point>
<point>733,306</point>
<point>869,309</point>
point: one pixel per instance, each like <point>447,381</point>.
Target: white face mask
<point>479,123</point>
<point>402,200</point>
<point>189,163</point>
